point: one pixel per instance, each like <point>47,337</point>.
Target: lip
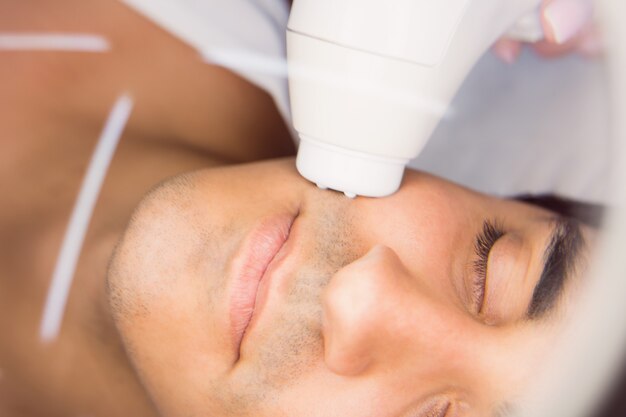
<point>250,267</point>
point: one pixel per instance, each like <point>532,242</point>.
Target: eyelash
<point>490,233</point>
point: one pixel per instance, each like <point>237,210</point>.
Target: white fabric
<point>538,126</point>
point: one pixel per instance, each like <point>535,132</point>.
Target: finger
<point>551,49</point>
<point>508,50</point>
<point>587,43</point>
<point>563,20</point>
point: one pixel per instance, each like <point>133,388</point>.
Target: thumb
<point>564,19</point>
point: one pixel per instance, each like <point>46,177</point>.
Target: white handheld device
<point>370,79</point>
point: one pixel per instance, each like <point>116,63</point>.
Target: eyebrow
<point>561,255</point>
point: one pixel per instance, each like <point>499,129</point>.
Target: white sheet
<point>539,126</point>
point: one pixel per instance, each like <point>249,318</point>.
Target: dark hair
<point>614,404</point>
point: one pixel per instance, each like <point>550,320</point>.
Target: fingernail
<point>565,18</point>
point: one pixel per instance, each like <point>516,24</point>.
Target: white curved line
<point>63,275</point>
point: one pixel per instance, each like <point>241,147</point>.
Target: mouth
<point>251,265</point>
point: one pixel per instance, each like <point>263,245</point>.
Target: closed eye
<point>483,243</point>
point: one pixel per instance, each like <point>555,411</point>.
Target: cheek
<point>431,232</point>
<point>323,394</point>
<point>525,356</point>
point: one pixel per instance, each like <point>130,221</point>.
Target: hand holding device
<point>568,27</point>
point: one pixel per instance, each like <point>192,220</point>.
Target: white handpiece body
<point>370,79</point>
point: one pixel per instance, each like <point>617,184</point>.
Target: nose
<point>377,314</point>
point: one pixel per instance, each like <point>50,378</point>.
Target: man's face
<point>247,291</point>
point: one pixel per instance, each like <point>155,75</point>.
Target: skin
<point>188,116</point>
<point>585,40</point>
<point>367,315</point>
